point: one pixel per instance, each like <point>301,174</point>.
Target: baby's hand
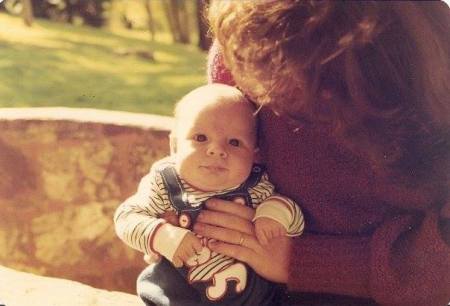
<point>267,229</point>
<point>189,246</point>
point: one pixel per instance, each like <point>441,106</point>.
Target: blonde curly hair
<point>375,71</point>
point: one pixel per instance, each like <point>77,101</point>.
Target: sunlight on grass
<point>141,35</point>
<point>75,61</point>
<point>52,64</point>
<point>14,31</point>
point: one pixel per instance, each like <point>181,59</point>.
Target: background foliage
<point>132,60</point>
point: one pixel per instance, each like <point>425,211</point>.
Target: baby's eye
<point>234,142</point>
<point>200,138</point>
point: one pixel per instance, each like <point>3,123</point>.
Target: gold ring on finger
<point>241,240</point>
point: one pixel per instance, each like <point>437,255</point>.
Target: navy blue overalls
<point>163,284</point>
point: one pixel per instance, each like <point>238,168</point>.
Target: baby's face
<point>215,147</point>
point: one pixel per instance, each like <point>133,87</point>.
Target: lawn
<point>54,64</point>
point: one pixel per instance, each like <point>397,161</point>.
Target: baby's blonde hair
<point>208,94</point>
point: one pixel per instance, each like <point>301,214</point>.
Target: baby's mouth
<point>214,168</point>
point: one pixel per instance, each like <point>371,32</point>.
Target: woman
<point>355,128</point>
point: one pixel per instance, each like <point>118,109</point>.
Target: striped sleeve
<point>276,207</point>
<point>261,191</point>
<point>283,210</point>
<point>136,219</point>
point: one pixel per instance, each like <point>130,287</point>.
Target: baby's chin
<point>211,181</point>
<point>209,186</point>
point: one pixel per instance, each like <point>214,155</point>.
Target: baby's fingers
<point>281,231</point>
<point>278,231</point>
<point>197,246</point>
<point>262,236</point>
<point>188,253</point>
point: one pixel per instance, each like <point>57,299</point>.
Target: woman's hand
<point>231,225</point>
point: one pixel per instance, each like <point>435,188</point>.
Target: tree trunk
<point>183,21</point>
<point>27,13</point>
<point>204,39</point>
<point>150,21</point>
<point>177,18</point>
<point>168,10</point>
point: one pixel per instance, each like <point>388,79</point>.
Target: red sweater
<point>366,236</point>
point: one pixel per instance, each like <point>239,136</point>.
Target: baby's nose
<point>217,150</point>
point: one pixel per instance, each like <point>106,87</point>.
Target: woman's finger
<point>238,252</point>
<point>218,233</point>
<point>226,220</point>
<point>249,242</point>
<point>229,236</point>
<point>248,251</point>
<point>230,207</point>
<point>270,262</point>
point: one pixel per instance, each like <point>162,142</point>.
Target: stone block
<point>63,173</point>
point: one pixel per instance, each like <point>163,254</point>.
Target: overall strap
<point>173,186</point>
<point>186,213</point>
<point>242,191</point>
<point>254,177</point>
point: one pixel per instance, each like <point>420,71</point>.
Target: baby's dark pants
<point>163,285</point>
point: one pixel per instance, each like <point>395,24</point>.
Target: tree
<point>27,12</point>
<point>150,21</point>
<point>183,21</point>
<point>177,17</point>
<point>204,39</point>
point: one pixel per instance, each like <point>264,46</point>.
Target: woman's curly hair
<point>377,72</point>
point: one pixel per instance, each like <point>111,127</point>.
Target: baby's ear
<point>257,154</point>
<point>173,144</point>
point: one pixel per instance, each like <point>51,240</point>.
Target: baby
<point>213,149</point>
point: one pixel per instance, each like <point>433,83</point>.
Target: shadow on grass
<point>185,53</point>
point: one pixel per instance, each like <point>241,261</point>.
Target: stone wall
<point>63,173</point>
<point>25,289</point>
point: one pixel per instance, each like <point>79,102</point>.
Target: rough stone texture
<point>24,289</point>
<point>62,176</point>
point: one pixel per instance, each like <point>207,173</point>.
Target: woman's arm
<point>228,222</point>
<point>405,262</point>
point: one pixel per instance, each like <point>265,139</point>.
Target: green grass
<point>54,64</point>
